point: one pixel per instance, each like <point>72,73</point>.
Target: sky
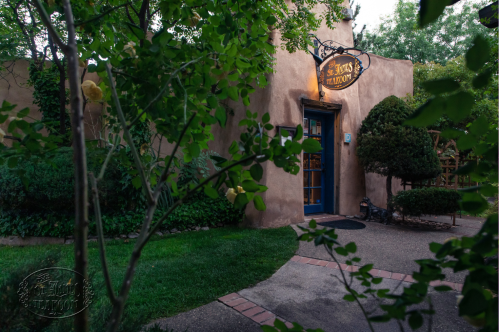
<point>371,11</point>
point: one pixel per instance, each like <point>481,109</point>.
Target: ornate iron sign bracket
<point>342,70</point>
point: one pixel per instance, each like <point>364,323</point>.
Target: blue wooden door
<point>314,165</point>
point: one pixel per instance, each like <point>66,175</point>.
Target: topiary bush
<point>387,147</point>
<point>431,200</point>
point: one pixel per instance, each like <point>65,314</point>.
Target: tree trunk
<point>81,182</point>
<point>389,195</point>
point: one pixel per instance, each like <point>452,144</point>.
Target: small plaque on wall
<point>348,138</point>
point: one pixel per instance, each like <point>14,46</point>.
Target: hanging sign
<point>340,72</point>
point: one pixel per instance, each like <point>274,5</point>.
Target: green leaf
<point>349,297</point>
<point>256,172</point>
<point>459,105</point>
<point>478,54</point>
<point>251,186</point>
<point>194,150</point>
<point>267,328</point>
<point>380,319</point>
<point>137,31</point>
<point>137,182</point>
<point>268,126</point>
<point>430,10</point>
<point>483,79</point>
<point>271,20</point>
<point>266,118</point>
<point>221,116</point>
<point>312,224</point>
<point>299,133</point>
<point>440,86</point>
<point>22,113</point>
<point>259,204</point>
<point>233,93</point>
<point>415,320</point>
<point>435,247</point>
<point>241,201</point>
<point>311,145</point>
<point>442,288</point>
<point>427,114</point>
<point>473,303</point>
<point>212,101</point>
<point>351,247</point>
<point>474,203</point>
<point>210,192</point>
<point>341,251</point>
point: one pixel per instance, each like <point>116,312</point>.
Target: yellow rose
<point>91,91</point>
<point>240,189</point>
<point>2,134</point>
<point>231,195</point>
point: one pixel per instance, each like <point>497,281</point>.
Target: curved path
<point>304,290</point>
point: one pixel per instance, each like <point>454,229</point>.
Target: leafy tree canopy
<point>485,104</point>
<point>400,37</point>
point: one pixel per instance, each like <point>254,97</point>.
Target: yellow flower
<point>231,193</point>
<point>2,134</point>
<point>130,49</point>
<point>91,91</point>
<point>143,149</point>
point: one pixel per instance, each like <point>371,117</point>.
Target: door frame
<point>332,113</point>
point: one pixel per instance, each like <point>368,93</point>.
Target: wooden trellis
<point>446,179</point>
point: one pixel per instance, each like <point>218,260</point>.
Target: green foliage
<point>46,96</point>
<point>400,37</point>
<point>388,148</point>
<point>433,200</point>
<point>51,187</point>
<point>485,97</point>
<point>200,210</point>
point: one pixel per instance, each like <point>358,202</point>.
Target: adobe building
<point>329,182</point>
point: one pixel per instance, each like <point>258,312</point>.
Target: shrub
<point>51,187</point>
<point>200,210</point>
<point>387,147</point>
<point>431,200</point>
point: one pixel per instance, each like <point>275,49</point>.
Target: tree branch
<point>166,172</point>
<point>103,14</point>
<point>46,21</point>
<point>174,74</point>
<point>108,157</point>
<point>128,137</point>
<point>192,191</point>
<point>100,234</point>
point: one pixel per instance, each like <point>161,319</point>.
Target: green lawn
<point>177,272</point>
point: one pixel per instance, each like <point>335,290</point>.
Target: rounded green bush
<point>416,202</point>
<point>387,147</point>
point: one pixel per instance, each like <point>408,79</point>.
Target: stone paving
<point>306,291</point>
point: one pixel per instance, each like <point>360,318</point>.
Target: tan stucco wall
<point>294,79</point>
<point>14,89</point>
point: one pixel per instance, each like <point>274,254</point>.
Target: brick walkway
<point>265,317</point>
